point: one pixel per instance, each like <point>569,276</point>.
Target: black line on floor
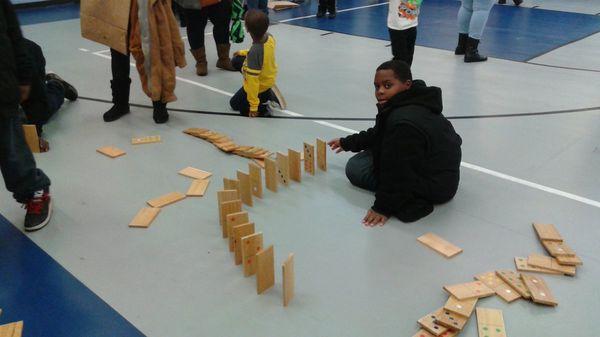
<point>329,33</point>
<point>388,45</point>
<point>536,6</point>
<point>563,67</point>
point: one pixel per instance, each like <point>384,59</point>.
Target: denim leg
<point>239,102</point>
<point>55,94</point>
<point>359,171</point>
<point>481,12</point>
<point>464,16</point>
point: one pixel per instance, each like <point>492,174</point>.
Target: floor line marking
<point>339,11</point>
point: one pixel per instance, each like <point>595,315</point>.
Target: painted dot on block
<point>459,306</point>
<point>485,328</point>
<point>543,294</point>
<point>534,281</point>
<point>508,291</point>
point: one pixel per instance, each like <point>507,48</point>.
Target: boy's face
<point>387,85</point>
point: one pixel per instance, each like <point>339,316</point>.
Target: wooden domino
<point>198,188</point>
<point>283,169</point>
<point>232,220</point>
<point>222,196</point>
<point>547,232</point>
<point>309,159</point>
<point>251,245</point>
<point>514,280</point>
<point>322,155</point>
<point>165,200</point>
<point>556,249</point>
<point>195,173</point>
<point>540,293</point>
<point>425,333</point>
<point>468,290</point>
<point>259,162</point>
<point>256,180</point>
<point>231,184</point>
<point>229,207</point>
<point>439,245</point>
<point>294,164</point>
<point>239,232</point>
<point>451,320</point>
<point>289,279</point>
<point>428,323</point>
<point>145,140</point>
<point>569,261</point>
<point>111,151</point>
<point>490,323</point>
<point>14,329</point>
<point>271,174</point>
<point>144,217</point>
<point>31,138</point>
<point>522,264</point>
<point>245,188</point>
<point>550,263</point>
<point>464,307</point>
<point>502,289</point>
<point>265,270</point>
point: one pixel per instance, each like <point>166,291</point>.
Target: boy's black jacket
<point>416,153</point>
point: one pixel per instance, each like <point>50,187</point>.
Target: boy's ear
<point>408,84</point>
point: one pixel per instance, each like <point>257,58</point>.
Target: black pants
<point>360,171</point>
<point>119,65</point>
<point>327,4</point>
<point>239,101</point>
<point>196,20</point>
<point>403,44</point>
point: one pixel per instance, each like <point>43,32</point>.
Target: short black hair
<point>400,68</point>
<point>257,23</point>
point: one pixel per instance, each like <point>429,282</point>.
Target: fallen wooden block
<point>31,138</point>
<point>514,280</point>
<point>439,245</point>
<point>239,232</point>
<point>428,323</point>
<point>451,320</point>
<point>556,249</point>
<point>144,217</point>
<point>265,270</point>
<point>165,200</point>
<point>550,263</point>
<point>145,140</point>
<point>198,188</point>
<point>245,188</point>
<point>14,329</point>
<point>271,174</point>
<point>522,264</point>
<point>569,261</point>
<point>464,307</point>
<point>502,289</point>
<point>468,290</point>
<point>540,293</point>
<point>111,151</point>
<point>322,155</point>
<point>425,333</point>
<point>309,159</point>
<point>222,196</point>
<point>490,323</point>
<point>251,245</point>
<point>195,173</point>
<point>279,6</point>
<point>229,207</point>
<point>547,232</point>
<point>288,277</point>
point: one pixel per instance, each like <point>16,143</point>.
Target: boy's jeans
<point>359,171</point>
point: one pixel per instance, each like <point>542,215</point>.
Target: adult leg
<point>322,10</point>
<point>360,171</point>
<point>331,8</point>
<point>464,20</point>
<point>220,16</point>
<point>196,21</point>
<point>481,12</point>
<point>120,86</point>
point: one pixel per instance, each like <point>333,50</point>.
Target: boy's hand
<point>44,145</point>
<point>373,219</point>
<point>252,114</point>
<point>335,145</point>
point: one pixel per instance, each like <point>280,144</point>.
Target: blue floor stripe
<point>53,13</point>
<point>36,289</point>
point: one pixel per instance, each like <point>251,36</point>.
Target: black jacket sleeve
<point>403,148</point>
<point>359,141</point>
<point>22,59</point>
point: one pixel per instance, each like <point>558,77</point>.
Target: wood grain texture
<point>289,279</point>
<point>256,180</point>
<point>440,245</point>
<point>502,289</point>
<point>468,290</point>
<point>194,173</point>
<point>295,165</point>
<point>144,217</point>
<point>271,174</point>
<point>547,232</point>
<point>165,200</point>
<point>322,155</point>
<point>239,232</point>
<point>514,280</point>
<point>197,188</point>
<point>265,270</point>
<point>245,188</point>
<point>110,151</point>
<point>540,293</point>
<point>145,140</point>
<point>251,245</point>
<point>490,323</point>
<point>309,159</point>
<point>232,220</point>
<point>229,207</point>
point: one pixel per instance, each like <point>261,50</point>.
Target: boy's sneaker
<point>321,12</point>
<point>332,14</point>
<point>70,92</point>
<point>39,210</point>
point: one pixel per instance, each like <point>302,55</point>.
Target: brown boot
<point>224,61</point>
<point>200,56</point>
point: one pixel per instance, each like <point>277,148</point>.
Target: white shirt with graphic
<point>403,14</point>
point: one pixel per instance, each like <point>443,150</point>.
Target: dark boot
<point>70,91</point>
<point>472,54</point>
<point>200,57</point>
<point>517,2</point>
<point>160,114</point>
<point>462,44</point>
<point>224,61</point>
<point>331,9</point>
<point>502,2</point>
<point>322,10</point>
<point>120,93</point>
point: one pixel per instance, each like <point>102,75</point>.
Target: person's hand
<point>44,145</point>
<point>252,114</point>
<point>24,91</point>
<point>335,145</point>
<point>373,219</point>
<point>236,53</point>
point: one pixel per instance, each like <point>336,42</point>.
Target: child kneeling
<point>411,157</point>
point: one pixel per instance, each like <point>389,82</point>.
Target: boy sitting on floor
<point>411,157</point>
<point>259,68</point>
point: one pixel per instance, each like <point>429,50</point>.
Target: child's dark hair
<point>257,23</point>
<point>400,68</point>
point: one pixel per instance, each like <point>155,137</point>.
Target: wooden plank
<point>514,280</point>
<point>522,264</point>
<point>251,245</point>
<point>165,200</point>
<point>259,162</point>
<point>540,293</point>
<point>569,261</point>
<point>550,263</point>
<point>232,220</point>
<point>14,329</point>
<point>425,333</point>
<point>464,307</point>
<point>294,165</point>
<point>265,270</point>
<point>229,207</point>
<point>198,188</point>
<point>322,155</point>
<point>428,323</point>
<point>222,196</point>
<point>231,184</point>
<point>238,233</point>
<point>283,169</point>
<point>256,180</point>
<point>309,159</point>
<point>195,173</point>
<point>556,248</point>
<point>502,289</point>
<point>468,290</point>
<point>547,232</point>
<point>440,245</point>
<point>31,138</point>
<point>490,323</point>
<point>289,279</point>
<point>144,217</point>
<point>145,140</point>
<point>245,188</point>
<point>451,320</point>
<point>111,151</point>
<point>271,174</point>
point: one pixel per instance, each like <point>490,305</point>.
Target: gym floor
<point>530,123</point>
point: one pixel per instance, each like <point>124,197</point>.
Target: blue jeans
<point>239,101</point>
<point>472,17</point>
<point>258,4</point>
<point>360,171</point>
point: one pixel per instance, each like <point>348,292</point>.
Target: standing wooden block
<point>428,323</point>
<point>547,232</point>
<point>14,329</point>
<point>166,199</point>
<point>195,173</point>
<point>145,140</point>
<point>222,196</point>
<point>522,264</point>
<point>271,174</point>
<point>230,184</point>
<point>251,245</point>
<point>490,323</point>
<point>464,307</point>
<point>265,270</point>
<point>235,219</point>
<point>556,248</point>
<point>439,245</point>
<point>238,233</point>
<point>569,261</point>
<point>31,138</point>
<point>465,291</point>
<point>288,277</point>
<point>256,180</point>
<point>144,217</point>
<point>229,207</point>
<point>110,151</point>
<point>309,159</point>
<point>540,293</point>
<point>245,188</point>
<point>198,188</point>
<point>514,280</point>
<point>502,289</point>
<point>295,168</point>
<point>283,169</point>
<point>451,320</point>
<point>322,155</point>
<point>550,263</point>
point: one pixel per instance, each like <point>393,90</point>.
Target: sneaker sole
<point>43,224</point>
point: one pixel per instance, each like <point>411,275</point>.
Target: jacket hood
<point>418,94</point>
